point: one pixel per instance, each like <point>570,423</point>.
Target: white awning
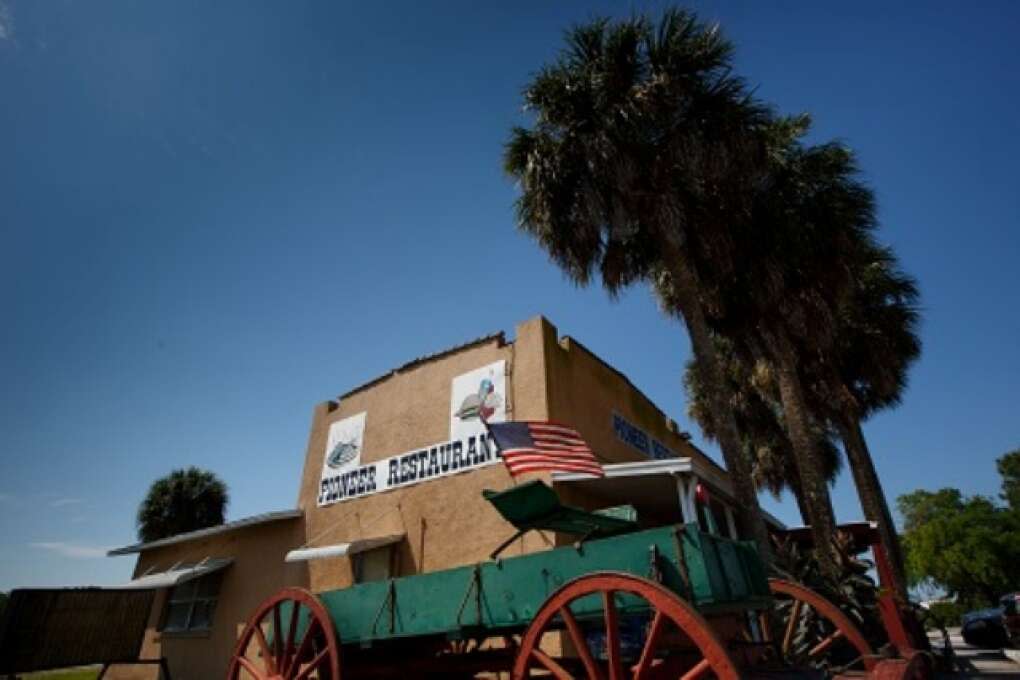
<point>651,485</point>
<point>177,574</point>
<point>650,468</point>
<point>342,549</point>
<point>654,484</point>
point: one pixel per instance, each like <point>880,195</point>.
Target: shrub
<point>944,615</point>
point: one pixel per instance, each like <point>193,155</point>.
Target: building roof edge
<point>254,520</point>
<point>499,336</point>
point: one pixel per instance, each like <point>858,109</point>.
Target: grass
<point>68,674</point>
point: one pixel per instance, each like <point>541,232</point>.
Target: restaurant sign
<point>637,438</point>
<point>481,392</point>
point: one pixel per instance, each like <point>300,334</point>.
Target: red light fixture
<point>701,493</point>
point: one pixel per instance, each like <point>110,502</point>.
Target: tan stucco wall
<point>257,572</point>
<point>446,520</point>
<point>584,391</point>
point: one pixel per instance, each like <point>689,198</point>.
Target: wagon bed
<point>714,573</point>
<point>663,602</point>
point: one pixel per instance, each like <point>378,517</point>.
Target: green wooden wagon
<point>621,602</point>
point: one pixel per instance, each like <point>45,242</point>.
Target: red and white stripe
<point>557,448</point>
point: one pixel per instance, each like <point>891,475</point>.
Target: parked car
<point>1010,605</point>
<point>984,628</point>
<point>994,628</point>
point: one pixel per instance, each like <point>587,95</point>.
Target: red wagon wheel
<point>677,642</point>
<point>807,630</point>
<point>290,637</point>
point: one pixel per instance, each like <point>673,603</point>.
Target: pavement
<point>974,662</point>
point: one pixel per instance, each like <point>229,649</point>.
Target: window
<point>190,605</point>
<point>372,565</point>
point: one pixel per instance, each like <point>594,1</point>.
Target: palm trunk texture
<point>812,476</point>
<point>737,463</point>
<point>798,495</point>
<point>873,502</point>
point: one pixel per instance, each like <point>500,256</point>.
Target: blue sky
<point>215,215</point>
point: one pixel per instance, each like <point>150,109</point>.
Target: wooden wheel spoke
<point>651,642</point>
<point>747,630</point>
<point>766,628</point>
<point>697,671</point>
<point>791,625</point>
<point>250,667</point>
<point>642,596</point>
<point>303,648</point>
<point>313,665</point>
<point>289,649</point>
<point>842,627</point>
<point>612,635</point>
<point>278,641</point>
<point>282,659</point>
<point>268,660</point>
<point>580,644</point>
<point>550,665</point>
<point>825,644</point>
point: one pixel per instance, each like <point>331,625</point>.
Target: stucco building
<point>392,482</point>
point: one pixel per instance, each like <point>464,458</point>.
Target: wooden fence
<point>44,629</point>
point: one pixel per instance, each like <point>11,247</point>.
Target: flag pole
<point>485,424</point>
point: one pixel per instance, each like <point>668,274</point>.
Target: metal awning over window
<point>342,549</point>
<point>177,574</point>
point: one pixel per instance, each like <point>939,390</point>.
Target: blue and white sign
<point>638,439</point>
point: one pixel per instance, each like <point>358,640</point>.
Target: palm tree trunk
<point>812,476</point>
<point>737,463</point>
<point>873,502</point>
<point>798,495</point>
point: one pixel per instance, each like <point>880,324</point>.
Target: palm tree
<point>759,417</point>
<point>833,313</point>
<point>849,315</point>
<point>808,218</point>
<point>876,342</point>
<point>643,147</point>
<point>184,500</point>
<point>818,301</point>
<point>808,211</point>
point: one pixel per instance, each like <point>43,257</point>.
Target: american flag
<point>529,446</point>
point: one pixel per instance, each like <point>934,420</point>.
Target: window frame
<point>193,600</point>
<point>358,564</point>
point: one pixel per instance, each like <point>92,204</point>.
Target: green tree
<point>3,604</point>
<point>1009,467</point>
<point>643,147</point>
<point>184,500</point>
<point>968,546</point>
